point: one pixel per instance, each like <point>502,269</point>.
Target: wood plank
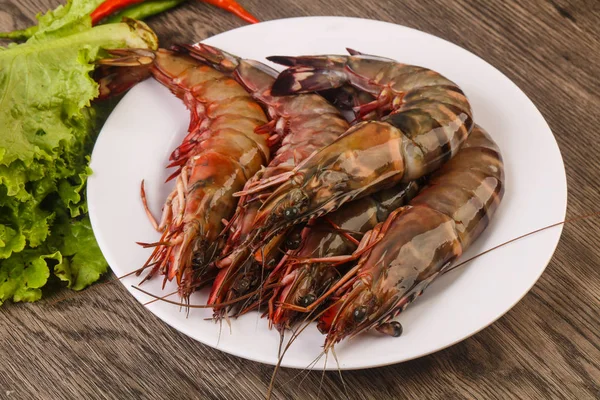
<point>103,344</point>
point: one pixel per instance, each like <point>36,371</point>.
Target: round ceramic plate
<point>150,122</point>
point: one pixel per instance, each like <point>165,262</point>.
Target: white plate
<point>149,122</point>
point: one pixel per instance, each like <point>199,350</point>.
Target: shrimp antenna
<point>281,339</point>
<point>262,280</point>
<point>160,298</point>
<point>220,331</point>
<point>225,303</point>
<point>322,374</point>
<point>569,220</point>
<point>566,221</point>
<point>295,335</point>
<point>340,371</point>
<point>306,369</point>
<point>137,271</point>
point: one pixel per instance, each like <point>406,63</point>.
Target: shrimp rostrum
<point>417,243</point>
<point>429,120</point>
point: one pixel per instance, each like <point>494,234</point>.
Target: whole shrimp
<point>219,155</point>
<point>417,243</point>
<point>429,120</point>
<point>332,235</point>
<point>303,124</point>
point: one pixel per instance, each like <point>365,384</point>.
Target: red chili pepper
<point>235,8</point>
<point>111,6</point>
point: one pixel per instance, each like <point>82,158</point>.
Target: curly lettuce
<point>68,19</point>
<point>48,125</point>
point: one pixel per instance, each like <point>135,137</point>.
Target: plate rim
<point>367,365</point>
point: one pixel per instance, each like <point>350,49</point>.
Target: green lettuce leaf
<point>28,220</point>
<point>65,20</point>
<point>46,85</point>
<point>22,275</point>
<point>82,262</point>
<point>10,241</point>
<point>71,18</point>
<point>47,130</point>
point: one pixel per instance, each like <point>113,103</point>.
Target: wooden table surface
<point>102,343</point>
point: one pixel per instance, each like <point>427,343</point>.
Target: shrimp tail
<point>309,74</point>
<point>127,68</point>
<point>217,58</point>
<point>256,77</point>
<point>303,79</point>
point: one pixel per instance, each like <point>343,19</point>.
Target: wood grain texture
<point>103,344</point>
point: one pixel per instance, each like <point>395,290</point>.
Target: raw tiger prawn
<point>221,152</point>
<point>429,120</point>
<point>417,243</point>
<point>302,124</point>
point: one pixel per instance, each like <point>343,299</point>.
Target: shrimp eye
<point>242,284</point>
<point>307,300</point>
<point>360,314</point>
<point>291,213</point>
<point>293,243</point>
